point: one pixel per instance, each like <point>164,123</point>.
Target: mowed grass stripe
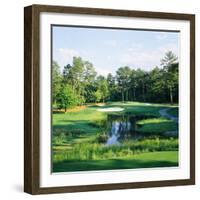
<point>143,160</point>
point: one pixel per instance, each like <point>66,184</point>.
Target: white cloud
<point>145,58</point>
<point>161,36</point>
<point>135,56</point>
<point>108,57</point>
<point>66,55</point>
<point>134,46</point>
<point>112,43</point>
<point>169,47</point>
<point>103,71</point>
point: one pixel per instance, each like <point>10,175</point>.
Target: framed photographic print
<point>109,99</point>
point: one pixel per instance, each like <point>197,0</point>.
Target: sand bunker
<point>114,109</point>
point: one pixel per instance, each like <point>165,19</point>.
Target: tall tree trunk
<point>127,95</point>
<point>134,93</point>
<point>123,96</point>
<point>171,95</point>
<point>143,93</point>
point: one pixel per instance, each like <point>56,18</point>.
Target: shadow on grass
<point>78,126</point>
<point>58,112</point>
<point>111,164</point>
<point>104,106</point>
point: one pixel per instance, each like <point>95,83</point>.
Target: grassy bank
<point>96,151</point>
<point>156,125</point>
<point>143,160</point>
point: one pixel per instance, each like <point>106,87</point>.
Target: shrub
<point>96,151</point>
<point>102,137</point>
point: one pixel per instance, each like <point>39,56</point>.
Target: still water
<point>121,127</point>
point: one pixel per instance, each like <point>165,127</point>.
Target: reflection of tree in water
<point>121,127</point>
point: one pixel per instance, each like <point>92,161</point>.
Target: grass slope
<point>156,125</point>
<point>144,160</point>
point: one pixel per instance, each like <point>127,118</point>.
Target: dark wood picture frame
<point>32,95</point>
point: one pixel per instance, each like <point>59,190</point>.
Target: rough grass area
<point>96,151</point>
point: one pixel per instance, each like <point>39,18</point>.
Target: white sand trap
<point>148,104</point>
<point>114,109</point>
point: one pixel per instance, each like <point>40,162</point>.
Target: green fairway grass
<point>156,125</point>
<point>144,160</point>
<point>79,133</point>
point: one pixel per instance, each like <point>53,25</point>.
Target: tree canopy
<point>79,83</point>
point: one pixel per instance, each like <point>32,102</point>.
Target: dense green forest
<point>79,83</point>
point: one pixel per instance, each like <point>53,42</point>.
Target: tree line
<point>79,83</point>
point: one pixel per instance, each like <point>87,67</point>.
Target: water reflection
<point>121,127</point>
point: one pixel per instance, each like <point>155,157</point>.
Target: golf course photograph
<point>114,99</point>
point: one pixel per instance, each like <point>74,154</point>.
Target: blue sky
<point>109,49</point>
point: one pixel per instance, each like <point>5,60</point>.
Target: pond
<point>121,127</point>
